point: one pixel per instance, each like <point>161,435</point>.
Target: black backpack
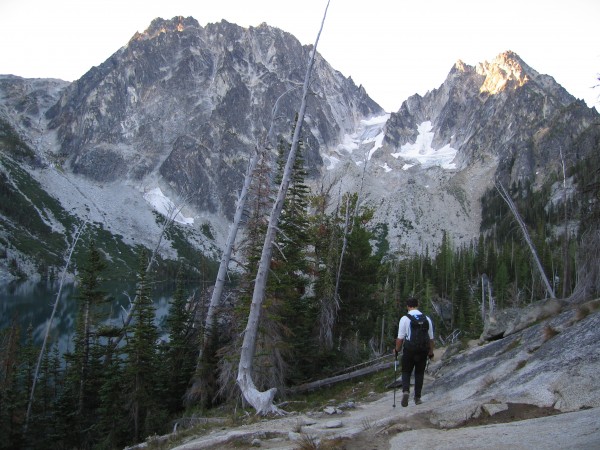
<point>419,334</point>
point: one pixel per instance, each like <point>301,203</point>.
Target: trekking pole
<point>395,368</point>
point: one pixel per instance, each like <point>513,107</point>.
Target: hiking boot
<point>404,399</point>
<point>418,400</point>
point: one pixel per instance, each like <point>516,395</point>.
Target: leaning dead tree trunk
<point>221,275</point>
<point>526,236</point>
<point>45,341</point>
<point>262,402</point>
<point>215,299</point>
<point>241,204</point>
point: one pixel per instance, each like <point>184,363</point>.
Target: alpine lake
<point>30,305</point>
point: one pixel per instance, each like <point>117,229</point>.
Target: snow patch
<point>421,152</point>
<point>331,161</point>
<point>163,205</point>
<point>370,133</point>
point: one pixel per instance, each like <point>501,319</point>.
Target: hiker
<point>415,339</point>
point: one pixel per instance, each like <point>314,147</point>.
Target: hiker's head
<point>412,302</point>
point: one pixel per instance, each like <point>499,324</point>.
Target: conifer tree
<point>326,257</point>
<point>141,367</point>
<point>358,312</point>
<point>82,378</point>
<point>27,367</point>
<point>44,412</point>
<point>180,349</point>
<point>444,267</point>
<point>12,392</point>
<point>112,425</point>
<point>287,286</point>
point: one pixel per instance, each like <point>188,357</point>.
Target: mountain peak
<point>160,25</point>
<point>460,66</point>
<point>506,70</point>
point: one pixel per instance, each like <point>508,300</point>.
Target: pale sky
<point>394,48</point>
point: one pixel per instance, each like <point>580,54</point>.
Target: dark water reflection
<point>31,303</point>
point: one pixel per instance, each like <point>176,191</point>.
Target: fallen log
<point>314,385</point>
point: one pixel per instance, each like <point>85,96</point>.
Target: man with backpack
<point>415,339</point>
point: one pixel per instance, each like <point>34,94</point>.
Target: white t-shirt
<point>404,325</point>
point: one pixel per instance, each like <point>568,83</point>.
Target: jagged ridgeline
<point>181,107</point>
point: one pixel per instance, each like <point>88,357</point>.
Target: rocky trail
<point>377,425</point>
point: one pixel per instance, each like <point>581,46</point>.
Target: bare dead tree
<point>215,299</point>
<point>513,208</point>
<point>220,282</point>
<point>262,402</point>
<point>219,286</point>
<point>241,204</point>
<point>50,320</point>
<point>482,301</point>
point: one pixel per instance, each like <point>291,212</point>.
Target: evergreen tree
<point>44,417</point>
<point>83,372</point>
<point>13,395</point>
<point>180,349</point>
<point>141,367</point>
<point>112,425</point>
<point>359,309</point>
<point>327,247</point>
<point>287,286</point>
<point>445,267</point>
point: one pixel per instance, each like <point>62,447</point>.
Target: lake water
<point>31,303</point>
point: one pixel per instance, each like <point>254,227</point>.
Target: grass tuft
<point>548,333</point>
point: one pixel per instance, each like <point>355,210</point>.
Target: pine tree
<point>141,367</point>
<point>444,267</point>
<point>82,379</point>
<point>358,311</point>
<point>112,425</point>
<point>326,257</point>
<point>12,392</point>
<point>286,288</point>
<point>180,349</point>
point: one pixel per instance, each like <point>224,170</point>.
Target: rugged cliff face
<point>181,107</point>
<point>185,105</point>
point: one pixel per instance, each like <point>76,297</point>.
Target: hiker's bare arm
<point>431,343</point>
<point>399,343</point>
